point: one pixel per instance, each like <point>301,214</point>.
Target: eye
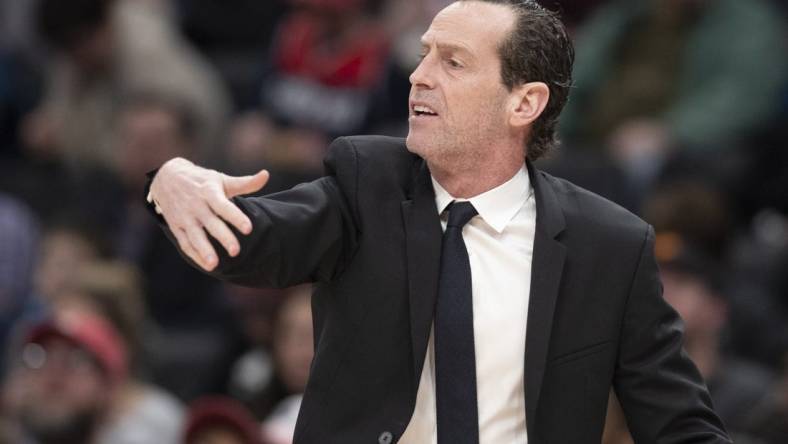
<point>454,63</point>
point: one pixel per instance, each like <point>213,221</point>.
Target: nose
<point>422,75</point>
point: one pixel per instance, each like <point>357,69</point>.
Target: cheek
<point>89,391</point>
<point>476,105</point>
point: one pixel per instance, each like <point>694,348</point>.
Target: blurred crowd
<point>679,113</point>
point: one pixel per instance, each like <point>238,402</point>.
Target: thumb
<point>234,186</point>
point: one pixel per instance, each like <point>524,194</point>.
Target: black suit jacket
<point>369,235</point>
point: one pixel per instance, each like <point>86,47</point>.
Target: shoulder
<point>155,406</point>
<point>154,416</point>
<point>371,159</point>
<point>594,217</point>
<point>371,149</point>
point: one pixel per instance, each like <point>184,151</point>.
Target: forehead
<point>52,341</point>
<point>475,26</point>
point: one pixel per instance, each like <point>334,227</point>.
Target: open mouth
<point>423,111</point>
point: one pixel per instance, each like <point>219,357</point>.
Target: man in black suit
<point>461,296</point>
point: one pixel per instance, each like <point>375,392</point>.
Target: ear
<point>528,101</point>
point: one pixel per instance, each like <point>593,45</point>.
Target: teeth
<point>423,109</point>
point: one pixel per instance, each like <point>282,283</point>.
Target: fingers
<point>219,230</point>
<point>217,209</point>
<point>235,186</point>
<point>199,241</point>
<point>194,242</point>
<point>232,214</point>
<point>186,247</point>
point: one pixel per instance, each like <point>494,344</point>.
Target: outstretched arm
<point>304,234</point>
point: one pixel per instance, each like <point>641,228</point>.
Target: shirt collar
<point>497,206</point>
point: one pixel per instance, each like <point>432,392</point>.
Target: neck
<point>475,168</point>
<point>474,181</point>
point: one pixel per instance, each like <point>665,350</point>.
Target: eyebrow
<point>455,47</point>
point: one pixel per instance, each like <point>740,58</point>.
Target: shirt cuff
<point>150,201</point>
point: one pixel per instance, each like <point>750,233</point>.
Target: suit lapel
<point>423,243</point>
<point>546,271</point>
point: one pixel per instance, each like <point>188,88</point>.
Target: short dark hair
<point>538,50</point>
<point>64,24</point>
<point>156,100</point>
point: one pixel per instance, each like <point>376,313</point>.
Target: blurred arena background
<point>679,113</point>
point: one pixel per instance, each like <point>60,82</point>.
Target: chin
<point>420,142</point>
<point>413,143</point>
<point>431,149</point>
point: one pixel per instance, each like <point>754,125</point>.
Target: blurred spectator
<point>658,75</point>
<point>74,386</point>
<point>328,61</point>
<point>220,420</point>
<point>292,155</point>
<point>616,430</point>
<point>110,50</point>
<point>279,427</point>
<point>769,420</point>
<point>198,328</point>
<point>19,76</point>
<point>22,57</point>
<point>659,83</point>
<point>16,32</point>
<point>257,309</point>
<point>253,372</point>
<point>692,286</point>
<point>65,248</point>
<point>327,74</point>
<point>113,290</point>
<point>293,351</point>
<point>18,95</point>
<point>232,34</point>
<point>270,372</point>
<point>698,214</point>
<point>573,12</point>
<point>56,193</point>
<point>66,373</point>
<point>151,129</point>
<point>764,183</point>
<point>18,254</point>
<point>293,342</point>
<point>694,209</point>
<point>141,412</point>
<point>20,90</point>
<point>758,286</point>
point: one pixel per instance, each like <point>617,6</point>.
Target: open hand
<point>194,200</point>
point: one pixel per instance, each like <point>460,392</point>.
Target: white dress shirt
<point>500,243</point>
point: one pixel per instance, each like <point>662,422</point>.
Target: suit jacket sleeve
<point>662,393</point>
<point>304,234</point>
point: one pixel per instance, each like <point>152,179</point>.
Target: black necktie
<point>455,358</point>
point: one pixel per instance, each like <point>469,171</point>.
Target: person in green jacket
<point>653,76</point>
